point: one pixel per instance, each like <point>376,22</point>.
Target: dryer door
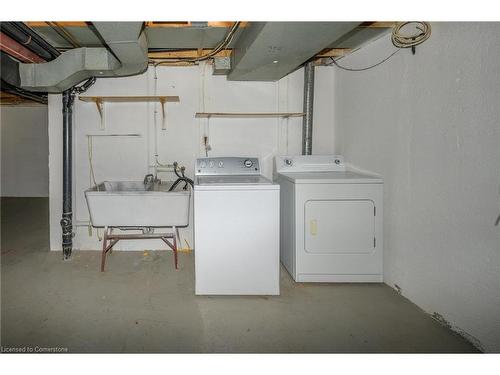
<point>339,226</point>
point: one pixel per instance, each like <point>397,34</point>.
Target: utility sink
<point>135,204</point>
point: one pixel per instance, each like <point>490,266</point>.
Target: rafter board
<point>7,98</point>
<point>188,24</point>
<point>188,53</point>
<point>334,52</point>
<point>61,23</point>
<point>379,24</point>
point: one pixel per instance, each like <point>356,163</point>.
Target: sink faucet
<point>149,179</point>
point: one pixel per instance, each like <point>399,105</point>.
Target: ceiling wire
<point>222,44</point>
<point>362,69</point>
<point>399,40</point>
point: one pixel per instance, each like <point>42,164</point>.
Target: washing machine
<point>236,228</point>
<point>330,220</point>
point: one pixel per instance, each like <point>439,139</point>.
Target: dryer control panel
<point>310,163</point>
<point>227,166</point>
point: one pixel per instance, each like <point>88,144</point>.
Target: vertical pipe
<point>66,222</point>
<point>307,122</point>
<point>67,214</point>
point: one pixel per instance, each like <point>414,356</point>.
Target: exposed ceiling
<point>190,39</point>
<point>177,43</point>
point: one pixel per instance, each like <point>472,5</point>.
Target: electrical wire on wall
<point>284,122</point>
<point>92,179</point>
<point>206,132</point>
<point>224,43</point>
<point>400,40</point>
<point>155,112</point>
<point>90,152</point>
<point>158,166</point>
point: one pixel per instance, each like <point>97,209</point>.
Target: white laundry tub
<point>134,204</point>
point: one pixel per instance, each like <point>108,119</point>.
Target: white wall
<point>25,148</point>
<point>430,124</point>
<point>128,158</point>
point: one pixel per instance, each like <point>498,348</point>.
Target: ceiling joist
<point>7,98</point>
<point>152,24</point>
<point>187,54</point>
<point>334,52</point>
<point>60,23</point>
<point>378,25</point>
<point>192,24</point>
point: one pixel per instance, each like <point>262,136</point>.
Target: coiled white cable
<point>399,40</point>
<point>404,40</point>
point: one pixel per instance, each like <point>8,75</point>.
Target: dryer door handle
<point>314,227</point>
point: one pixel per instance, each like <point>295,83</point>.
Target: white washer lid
<point>341,177</point>
<point>239,182</point>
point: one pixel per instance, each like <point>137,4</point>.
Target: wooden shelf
<point>248,114</point>
<point>129,99</point>
<point>100,100</point>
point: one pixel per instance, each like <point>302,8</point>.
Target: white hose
<point>91,167</point>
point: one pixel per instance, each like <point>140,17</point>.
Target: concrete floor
<point>142,304</point>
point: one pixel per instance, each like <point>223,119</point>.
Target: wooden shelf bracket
<point>163,114</point>
<point>100,108</point>
<point>101,100</point>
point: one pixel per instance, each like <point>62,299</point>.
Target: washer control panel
<point>227,166</point>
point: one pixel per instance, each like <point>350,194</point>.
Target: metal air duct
<point>307,122</point>
<point>268,51</point>
<point>127,55</point>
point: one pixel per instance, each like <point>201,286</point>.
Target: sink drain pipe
<point>68,99</point>
<point>67,214</point>
<point>307,122</point>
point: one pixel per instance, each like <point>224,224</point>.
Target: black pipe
<point>37,97</point>
<point>30,39</point>
<point>67,215</point>
<point>68,99</point>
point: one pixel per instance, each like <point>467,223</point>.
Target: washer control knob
<point>203,164</point>
<point>211,164</point>
<point>248,163</point>
<point>221,163</point>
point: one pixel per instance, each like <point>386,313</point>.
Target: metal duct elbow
<point>128,43</point>
<point>69,69</point>
<point>127,55</point>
